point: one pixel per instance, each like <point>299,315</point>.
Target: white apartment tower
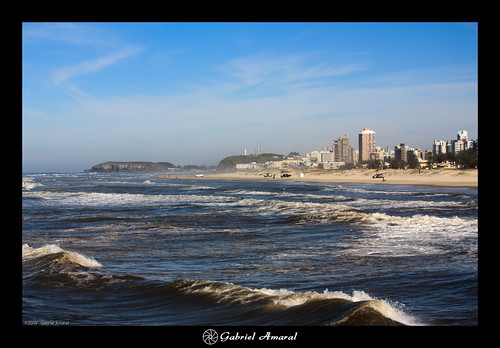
<point>463,135</point>
<point>366,144</point>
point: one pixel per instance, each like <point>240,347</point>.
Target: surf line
<point>225,336</point>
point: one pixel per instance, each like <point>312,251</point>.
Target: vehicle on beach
<point>269,175</point>
<point>376,176</point>
<point>199,175</point>
<point>286,175</point>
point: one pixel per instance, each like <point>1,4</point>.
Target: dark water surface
<point>113,249</point>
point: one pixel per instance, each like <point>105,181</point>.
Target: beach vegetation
<point>412,161</point>
<point>374,164</point>
<point>464,159</point>
<point>467,159</point>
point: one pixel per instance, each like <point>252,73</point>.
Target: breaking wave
<point>28,183</point>
<point>131,250</point>
<point>29,253</point>
<point>327,307</point>
<point>200,302</point>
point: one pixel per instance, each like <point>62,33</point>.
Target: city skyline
<point>459,135</point>
<point>194,93</point>
<point>342,151</point>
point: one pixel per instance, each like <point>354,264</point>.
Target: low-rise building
<point>248,166</point>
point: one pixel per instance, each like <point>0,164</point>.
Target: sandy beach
<point>434,177</point>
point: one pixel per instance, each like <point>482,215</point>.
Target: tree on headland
<point>231,161</point>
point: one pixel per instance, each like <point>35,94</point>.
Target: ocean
<point>132,249</point>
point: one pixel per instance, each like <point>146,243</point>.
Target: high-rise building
<point>438,147</point>
<point>463,135</point>
<point>342,150</point>
<point>366,143</point>
<point>401,152</point>
<point>462,143</point>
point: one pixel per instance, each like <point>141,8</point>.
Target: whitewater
<point>132,249</point>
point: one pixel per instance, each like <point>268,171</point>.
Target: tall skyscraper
<point>401,152</point>
<point>342,150</point>
<point>366,143</point>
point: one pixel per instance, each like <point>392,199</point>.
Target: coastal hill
<point>231,161</point>
<point>111,166</point>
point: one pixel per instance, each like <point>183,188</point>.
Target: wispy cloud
<point>269,69</point>
<point>109,48</point>
<point>73,34</point>
<point>64,74</point>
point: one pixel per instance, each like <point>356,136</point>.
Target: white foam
<point>392,312</point>
<point>229,292</point>
<point>118,199</point>
<point>416,235</point>
<point>289,298</point>
<point>28,185</point>
<point>29,253</point>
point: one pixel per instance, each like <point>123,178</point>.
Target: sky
<point>194,93</point>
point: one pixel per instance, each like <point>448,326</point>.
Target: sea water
<point>132,249</point>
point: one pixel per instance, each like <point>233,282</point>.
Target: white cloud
<point>269,69</point>
<point>69,72</point>
<point>202,120</point>
<point>72,34</point>
<point>207,124</point>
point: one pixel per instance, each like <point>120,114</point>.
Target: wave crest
<point>29,253</point>
<point>293,308</point>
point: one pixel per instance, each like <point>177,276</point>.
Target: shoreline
<point>466,178</point>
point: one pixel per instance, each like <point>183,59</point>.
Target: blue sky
<point>194,93</point>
